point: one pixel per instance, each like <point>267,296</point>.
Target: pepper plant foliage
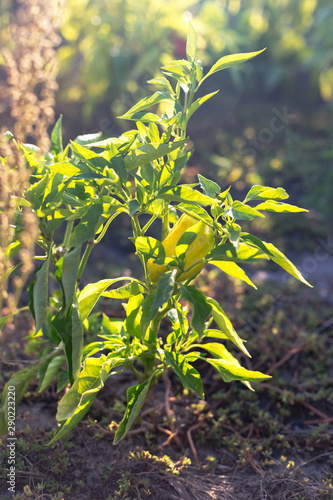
<point>80,190</point>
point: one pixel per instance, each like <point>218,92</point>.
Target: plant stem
<point>136,226</point>
<point>151,343</point>
<point>165,221</point>
<point>136,372</point>
<point>149,223</point>
<point>226,207</point>
<point>17,311</point>
<point>137,231</point>
<point>105,228</point>
<point>164,311</point>
<point>189,98</point>
<point>68,233</point>
<point>84,260</point>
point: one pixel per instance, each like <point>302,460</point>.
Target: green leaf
<point>49,370</point>
<point>230,60</point>
<point>256,242</point>
<point>266,193</point>
<point>21,381</point>
<point>110,327</point>
<point>13,249</point>
<point>244,253</point>
<point>125,292</point>
<point>39,292</point>
<point>145,103</point>
<point>171,172</point>
<point>186,240</point>
<point>57,187</point>
<point>119,142</point>
<point>110,176</point>
<point>153,302</point>
<point>233,270</point>
<point>225,325</point>
<point>63,381</point>
<point>149,152</point>
<point>147,173</point>
<point>20,202</point>
<point>177,70</point>
<point>133,315</point>
<point>8,135</point>
<point>136,397</point>
<point>233,231</point>
<point>165,288</point>
<point>90,380</point>
<point>88,225</point>
<point>67,272</point>
<point>197,212</point>
<point>180,63</point>
<point>163,82</point>
<point>65,168</point>
<point>70,329</point>
<point>90,158</point>
<point>210,187</point>
<point>179,321</point>
<point>69,199</point>
<point>150,246</point>
<point>200,308</point>
<point>216,334</point>
<point>228,366</point>
<point>29,148</point>
<point>144,132</point>
<point>248,253</point>
<point>88,139</point>
<point>188,375</point>
<point>191,43</point>
<point>154,133</point>
<point>56,137</point>
<point>133,207</point>
<point>193,356</point>
<point>91,293</point>
<point>282,261</point>
<point>117,162</point>
<point>58,217</point>
<point>113,344</point>
<point>240,211</point>
<point>77,401</point>
<point>278,206</point>
<point>144,117</point>
<point>185,194</point>
<point>82,152</point>
<point>35,192</point>
<point>196,104</point>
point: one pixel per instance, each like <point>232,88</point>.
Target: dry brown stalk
<point>28,48</point>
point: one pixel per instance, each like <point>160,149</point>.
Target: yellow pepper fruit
<point>201,246</point>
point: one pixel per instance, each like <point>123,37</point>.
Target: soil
<point>275,443</point>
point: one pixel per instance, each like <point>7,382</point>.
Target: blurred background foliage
<point>109,46</point>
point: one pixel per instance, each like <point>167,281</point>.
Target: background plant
<point>84,187</point>
<point>108,48</point>
<point>27,48</point>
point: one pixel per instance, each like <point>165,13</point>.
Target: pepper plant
<point>78,191</point>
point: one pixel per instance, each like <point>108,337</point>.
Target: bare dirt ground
<point>275,443</point>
